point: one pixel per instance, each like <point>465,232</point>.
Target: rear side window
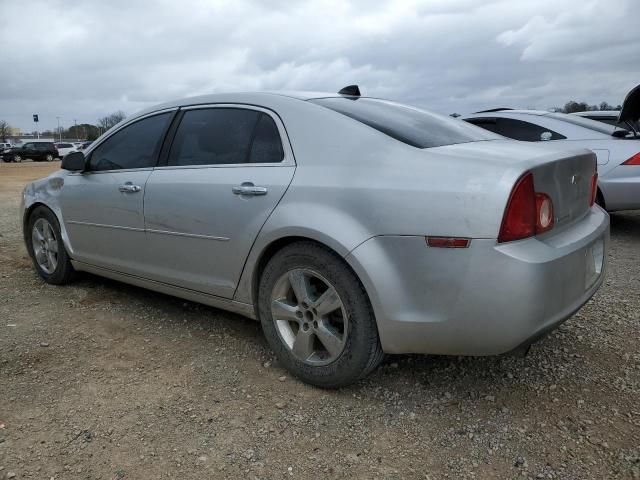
<point>224,136</point>
<point>517,129</point>
<point>135,146</point>
<point>266,146</point>
<point>409,125</point>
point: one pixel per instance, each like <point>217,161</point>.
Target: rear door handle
<point>129,188</point>
<point>248,188</point>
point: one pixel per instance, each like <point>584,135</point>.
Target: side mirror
<point>74,162</point>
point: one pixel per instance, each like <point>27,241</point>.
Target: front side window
<point>135,146</point>
<point>223,136</point>
<point>409,125</point>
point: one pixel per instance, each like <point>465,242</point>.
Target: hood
<point>631,107</point>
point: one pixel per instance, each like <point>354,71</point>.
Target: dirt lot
<point>103,380</point>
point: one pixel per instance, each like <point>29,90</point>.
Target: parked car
<point>617,149</point>
<point>37,151</point>
<point>609,117</point>
<point>349,226</point>
<point>65,148</point>
<point>4,146</point>
<point>84,145</point>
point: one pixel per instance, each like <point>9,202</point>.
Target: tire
<point>17,158</point>
<point>600,199</point>
<point>59,272</point>
<point>352,323</point>
<point>49,157</point>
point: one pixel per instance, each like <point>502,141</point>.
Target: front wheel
<point>317,317</point>
<point>17,158</point>
<point>45,246</point>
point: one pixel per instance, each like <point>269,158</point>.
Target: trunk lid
<point>568,182</point>
<point>562,172</point>
<point>631,107</point>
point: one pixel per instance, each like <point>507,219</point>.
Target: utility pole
<point>59,131</point>
<point>35,120</point>
<point>75,129</point>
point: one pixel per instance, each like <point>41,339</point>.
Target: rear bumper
<point>621,188</point>
<point>487,299</point>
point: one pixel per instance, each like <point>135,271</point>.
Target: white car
<point>65,148</point>
<point>4,146</point>
<point>617,148</point>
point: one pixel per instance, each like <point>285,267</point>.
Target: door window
<point>223,136</point>
<point>135,146</point>
<point>266,146</point>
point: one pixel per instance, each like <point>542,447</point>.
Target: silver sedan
<point>348,226</point>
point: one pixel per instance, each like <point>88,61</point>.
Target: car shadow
<point>625,224</point>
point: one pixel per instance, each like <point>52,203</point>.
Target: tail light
<point>635,160</point>
<point>527,214</point>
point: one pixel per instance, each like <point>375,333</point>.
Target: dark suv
<point>37,151</point>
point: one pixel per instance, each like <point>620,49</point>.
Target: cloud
<point>82,60</point>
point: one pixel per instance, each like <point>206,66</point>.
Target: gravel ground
<point>104,380</point>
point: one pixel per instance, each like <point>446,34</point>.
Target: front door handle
<point>248,188</point>
<point>129,188</point>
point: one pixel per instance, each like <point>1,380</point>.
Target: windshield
<point>412,126</point>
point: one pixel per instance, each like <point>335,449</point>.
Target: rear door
<point>103,207</point>
<point>227,169</point>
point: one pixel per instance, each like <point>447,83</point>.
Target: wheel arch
<point>28,210</point>
<point>251,277</point>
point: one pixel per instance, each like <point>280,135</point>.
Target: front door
<point>103,207</point>
<point>226,171</point>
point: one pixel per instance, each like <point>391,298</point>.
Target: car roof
<point>597,113</point>
<point>271,100</point>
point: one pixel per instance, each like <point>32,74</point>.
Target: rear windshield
<point>410,125</point>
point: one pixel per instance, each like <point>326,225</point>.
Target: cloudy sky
<point>84,59</point>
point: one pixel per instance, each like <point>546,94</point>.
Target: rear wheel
<point>45,246</point>
<point>600,199</point>
<point>49,157</point>
<point>317,318</point>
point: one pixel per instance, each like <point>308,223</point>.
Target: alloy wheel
<point>309,316</point>
<point>45,245</point>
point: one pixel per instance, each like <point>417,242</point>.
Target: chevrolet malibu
<point>348,226</point>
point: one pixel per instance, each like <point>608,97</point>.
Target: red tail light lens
<point>594,189</point>
<point>635,160</point>
<point>520,218</point>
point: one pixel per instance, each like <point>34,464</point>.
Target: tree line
<point>82,131</point>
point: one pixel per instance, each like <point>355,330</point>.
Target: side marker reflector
<point>448,242</point>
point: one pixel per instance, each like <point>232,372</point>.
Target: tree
<point>83,131</point>
<point>105,123</point>
<point>573,106</point>
<point>4,130</point>
<point>605,106</point>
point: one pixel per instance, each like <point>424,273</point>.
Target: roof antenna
<point>351,90</point>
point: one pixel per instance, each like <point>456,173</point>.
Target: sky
<point>81,60</point>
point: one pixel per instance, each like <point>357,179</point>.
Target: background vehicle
<point>609,117</point>
<point>363,227</point>
<point>618,154</point>
<point>37,151</point>
<point>65,148</point>
<point>4,146</point>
